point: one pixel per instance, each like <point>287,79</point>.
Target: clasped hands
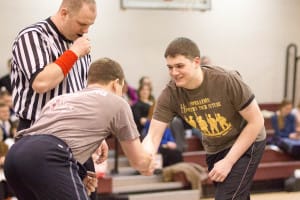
<point>153,164</point>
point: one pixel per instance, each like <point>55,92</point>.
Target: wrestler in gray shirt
<point>82,120</point>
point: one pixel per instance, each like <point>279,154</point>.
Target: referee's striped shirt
<point>34,48</point>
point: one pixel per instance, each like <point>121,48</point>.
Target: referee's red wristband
<point>66,61</point>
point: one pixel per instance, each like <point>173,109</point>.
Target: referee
<point>51,58</point>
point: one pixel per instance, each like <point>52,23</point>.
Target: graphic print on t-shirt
<point>203,114</point>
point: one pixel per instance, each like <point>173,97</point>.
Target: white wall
<point>248,35</point>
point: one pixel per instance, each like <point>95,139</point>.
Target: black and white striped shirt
<point>35,47</point>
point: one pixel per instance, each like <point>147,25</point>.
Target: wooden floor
<point>272,196</point>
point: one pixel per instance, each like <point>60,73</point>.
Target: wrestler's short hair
<point>104,71</point>
<point>182,46</point>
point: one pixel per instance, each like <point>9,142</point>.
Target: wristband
<point>66,61</point>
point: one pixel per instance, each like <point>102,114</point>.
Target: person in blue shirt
<point>284,122</point>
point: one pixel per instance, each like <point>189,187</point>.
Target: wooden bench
<point>276,170</point>
<point>269,156</point>
<point>275,166</point>
<point>134,183</point>
<point>193,144</point>
<point>271,106</point>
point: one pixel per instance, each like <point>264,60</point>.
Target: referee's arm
<point>55,72</point>
<point>48,78</point>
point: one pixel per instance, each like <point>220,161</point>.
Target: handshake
<point>155,163</point>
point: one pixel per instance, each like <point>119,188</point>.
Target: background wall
<point>250,36</point>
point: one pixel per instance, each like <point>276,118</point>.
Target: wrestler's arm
<point>152,140</point>
<point>137,156</point>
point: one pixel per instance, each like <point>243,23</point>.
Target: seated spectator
<point>168,149</point>
<point>5,123</point>
<point>145,80</point>
<point>141,108</point>
<point>284,122</point>
<point>5,80</point>
<point>3,183</point>
<point>6,98</point>
<point>7,132</point>
<point>5,138</point>
<point>130,94</point>
<point>296,113</point>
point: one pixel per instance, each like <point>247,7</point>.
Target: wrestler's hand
<point>81,46</point>
<point>220,170</point>
<point>151,166</point>
<point>90,182</point>
<point>101,153</point>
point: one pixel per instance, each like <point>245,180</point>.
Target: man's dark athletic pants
<point>42,167</point>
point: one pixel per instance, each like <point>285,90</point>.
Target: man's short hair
<point>104,70</point>
<point>75,5</point>
<point>182,46</point>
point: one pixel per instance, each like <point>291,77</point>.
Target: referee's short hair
<point>75,5</point>
<point>105,70</point>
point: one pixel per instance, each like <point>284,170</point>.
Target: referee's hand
<point>81,46</point>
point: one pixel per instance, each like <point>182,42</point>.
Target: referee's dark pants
<point>238,183</point>
<point>42,167</point>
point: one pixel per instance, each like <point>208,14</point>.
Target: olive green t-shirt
<point>213,107</point>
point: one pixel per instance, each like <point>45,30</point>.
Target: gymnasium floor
<point>273,196</point>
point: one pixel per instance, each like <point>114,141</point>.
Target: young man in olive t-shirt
<point>222,107</point>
